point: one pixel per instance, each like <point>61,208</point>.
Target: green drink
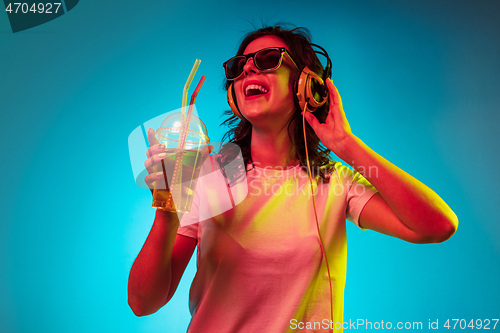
<point>179,188</point>
<point>181,167</point>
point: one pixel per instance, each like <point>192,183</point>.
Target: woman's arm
<point>404,207</point>
<point>159,266</point>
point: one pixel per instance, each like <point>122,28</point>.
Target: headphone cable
<point>316,213</point>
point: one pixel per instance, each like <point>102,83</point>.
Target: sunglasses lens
<point>267,59</point>
<point>234,67</point>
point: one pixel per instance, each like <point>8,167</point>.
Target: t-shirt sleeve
<point>188,222</point>
<point>359,191</point>
<point>190,230</point>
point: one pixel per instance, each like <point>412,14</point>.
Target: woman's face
<point>276,105</point>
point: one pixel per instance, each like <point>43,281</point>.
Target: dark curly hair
<point>298,41</point>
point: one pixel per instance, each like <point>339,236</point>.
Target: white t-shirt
<point>260,266</point>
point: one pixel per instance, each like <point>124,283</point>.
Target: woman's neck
<point>272,149</point>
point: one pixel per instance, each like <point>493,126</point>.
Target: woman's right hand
<point>155,154</point>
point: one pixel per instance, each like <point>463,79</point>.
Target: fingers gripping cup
<point>181,165</point>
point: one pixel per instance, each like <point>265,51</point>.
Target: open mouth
<point>254,90</point>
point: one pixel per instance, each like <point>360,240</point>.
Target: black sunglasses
<point>267,59</point>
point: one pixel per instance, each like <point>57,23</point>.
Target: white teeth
<point>257,87</point>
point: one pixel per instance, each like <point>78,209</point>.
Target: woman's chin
<point>255,114</point>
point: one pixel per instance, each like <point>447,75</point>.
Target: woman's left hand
<point>335,133</point>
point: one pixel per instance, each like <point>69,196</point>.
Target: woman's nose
<point>250,67</point>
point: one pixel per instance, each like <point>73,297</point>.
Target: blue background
<point>420,85</point>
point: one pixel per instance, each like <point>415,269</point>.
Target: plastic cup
<point>181,167</point>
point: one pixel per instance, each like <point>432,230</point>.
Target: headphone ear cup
<point>311,89</point>
<point>231,100</point>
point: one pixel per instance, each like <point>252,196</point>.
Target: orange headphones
<point>309,88</point>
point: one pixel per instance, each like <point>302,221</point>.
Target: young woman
<point>261,265</point>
